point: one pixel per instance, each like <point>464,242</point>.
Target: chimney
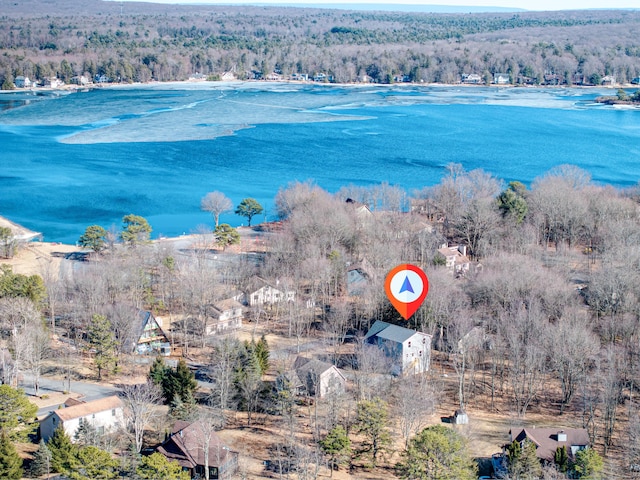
<point>562,437</point>
<point>462,249</point>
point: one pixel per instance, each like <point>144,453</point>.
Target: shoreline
<point>71,88</point>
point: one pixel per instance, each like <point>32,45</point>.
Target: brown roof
<point>547,440</point>
<point>185,445</point>
<point>84,409</point>
<point>72,402</point>
<point>228,304</point>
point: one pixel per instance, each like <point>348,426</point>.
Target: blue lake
<point>71,160</point>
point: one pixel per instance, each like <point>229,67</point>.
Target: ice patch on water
<point>206,110</point>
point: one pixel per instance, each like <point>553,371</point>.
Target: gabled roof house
<point>260,292</point>
<point>186,445</point>
<point>226,315</point>
<point>104,414</point>
<point>151,338</point>
<point>548,440</point>
<point>316,378</point>
<point>409,350</point>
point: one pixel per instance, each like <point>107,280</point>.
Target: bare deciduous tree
<point>216,203</point>
<point>140,408</point>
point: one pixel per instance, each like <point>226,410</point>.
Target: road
<point>87,390</point>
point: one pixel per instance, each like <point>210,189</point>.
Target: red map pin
<point>406,286</point>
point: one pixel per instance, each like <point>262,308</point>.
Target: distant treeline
<point>133,42</point>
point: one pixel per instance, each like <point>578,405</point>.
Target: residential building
<point>52,82</point>
<point>408,350</point>
<point>501,78</point>
<point>472,78</point>
<point>259,292</point>
<point>151,338</point>
<point>22,82</point>
<point>358,277</point>
<point>226,315</point>
<point>548,440</point>
<point>455,258</point>
<point>316,378</point>
<point>104,415</point>
<point>186,445</point>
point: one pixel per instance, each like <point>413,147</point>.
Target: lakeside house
<point>104,415</point>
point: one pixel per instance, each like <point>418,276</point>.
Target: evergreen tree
<point>336,445</point>
<point>157,467</point>
<point>371,421</point>
<point>16,413</point>
<point>226,235</point>
<point>523,461</point>
<point>135,230</point>
<point>561,458</point>
<point>158,371</point>
<point>261,351</point>
<point>588,464</point>
<point>94,464</point>
<point>63,452</point>
<point>249,207</point>
<point>94,237</point>
<point>103,341</point>
<point>437,452</point>
<point>41,463</point>
<point>10,461</point>
<point>179,385</point>
<point>86,434</point>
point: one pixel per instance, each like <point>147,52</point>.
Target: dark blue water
<point>89,158</point>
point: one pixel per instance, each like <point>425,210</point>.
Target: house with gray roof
<point>316,378</point>
<point>408,350</point>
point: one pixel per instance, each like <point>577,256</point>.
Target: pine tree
<point>63,452</point>
<point>86,434</point>
<point>103,341</point>
<point>336,445</point>
<point>10,461</point>
<point>157,466</point>
<point>262,353</point>
<point>41,464</point>
<point>372,418</point>
<point>158,371</point>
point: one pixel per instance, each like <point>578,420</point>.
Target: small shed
<point>460,417</point>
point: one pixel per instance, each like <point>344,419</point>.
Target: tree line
<point>143,43</point>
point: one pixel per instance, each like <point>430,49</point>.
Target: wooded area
<point>137,42</point>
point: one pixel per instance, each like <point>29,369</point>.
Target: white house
<point>53,82</point>
<point>260,292</point>
<point>501,78</point>
<point>409,351</point>
<point>226,315</point>
<point>104,414</point>
<point>456,258</point>
<point>316,378</point>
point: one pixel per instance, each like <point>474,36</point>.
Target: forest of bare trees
<point>137,42</point>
